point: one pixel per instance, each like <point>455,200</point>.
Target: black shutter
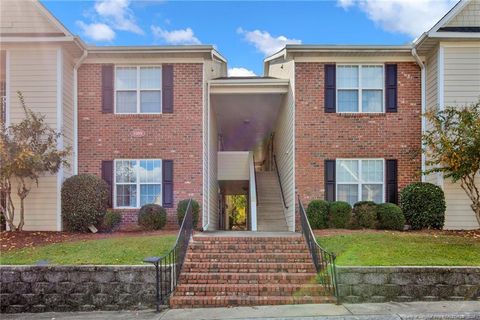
<point>330,180</point>
<point>330,88</point>
<point>391,88</point>
<point>391,194</point>
<point>167,88</point>
<point>107,88</point>
<point>167,183</point>
<point>107,175</point>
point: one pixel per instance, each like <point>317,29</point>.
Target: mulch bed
<point>473,234</point>
<point>29,239</point>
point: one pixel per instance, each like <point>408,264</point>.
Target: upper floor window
<point>138,89</point>
<point>360,88</point>
<point>137,182</point>
<point>360,180</point>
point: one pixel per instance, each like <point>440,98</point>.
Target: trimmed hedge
<point>390,217</point>
<point>152,217</point>
<point>182,208</point>
<point>111,221</point>
<point>317,214</point>
<point>84,202</point>
<point>340,213</point>
<point>364,215</point>
<point>423,205</point>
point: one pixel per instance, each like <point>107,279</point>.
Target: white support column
<point>253,193</point>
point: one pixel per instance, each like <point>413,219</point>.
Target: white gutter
<point>423,86</point>
<point>75,110</point>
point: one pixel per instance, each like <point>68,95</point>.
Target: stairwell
<point>222,271</point>
<point>270,215</point>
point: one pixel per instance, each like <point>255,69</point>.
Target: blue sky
<point>246,32</point>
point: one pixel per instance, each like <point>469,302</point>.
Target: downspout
<point>423,86</point>
<point>75,110</point>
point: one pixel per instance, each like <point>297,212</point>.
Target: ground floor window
<point>360,180</point>
<point>138,182</point>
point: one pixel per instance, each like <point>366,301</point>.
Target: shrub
<point>390,217</point>
<point>364,215</point>
<point>423,205</point>
<point>152,217</point>
<point>317,214</point>
<point>182,208</point>
<point>111,221</point>
<point>340,213</point>
<point>84,202</point>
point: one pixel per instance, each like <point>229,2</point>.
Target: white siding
<point>233,165</point>
<point>461,86</point>
<point>462,75</point>
<point>468,17</point>
<point>285,139</point>
<point>213,182</point>
<point>23,16</point>
<point>34,72</point>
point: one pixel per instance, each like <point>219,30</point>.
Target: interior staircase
<point>221,271</point>
<point>270,215</point>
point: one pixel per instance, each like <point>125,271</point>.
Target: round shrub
<point>364,215</point>
<point>182,208</point>
<point>317,214</point>
<point>423,205</point>
<point>340,213</point>
<point>390,217</point>
<point>84,202</point>
<point>152,217</point>
<point>111,221</point>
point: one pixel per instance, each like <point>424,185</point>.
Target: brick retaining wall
<point>381,284</point>
<point>76,288</point>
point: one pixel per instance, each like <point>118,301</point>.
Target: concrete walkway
<point>381,311</point>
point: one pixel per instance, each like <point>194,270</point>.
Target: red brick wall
<point>321,135</point>
<point>176,136</point>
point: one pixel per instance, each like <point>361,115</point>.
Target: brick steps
<point>249,257</point>
<point>222,301</point>
<point>247,271</point>
<point>231,267</point>
<point>250,290</point>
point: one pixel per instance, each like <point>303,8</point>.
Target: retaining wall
<point>76,288</point>
<point>381,284</point>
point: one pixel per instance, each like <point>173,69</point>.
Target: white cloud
<point>265,42</point>
<point>180,36</point>
<point>240,72</point>
<point>97,31</point>
<point>118,14</point>
<point>411,17</point>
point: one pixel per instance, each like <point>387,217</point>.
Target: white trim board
<point>60,173</point>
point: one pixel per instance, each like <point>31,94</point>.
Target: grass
<point>402,249</point>
<point>121,250</point>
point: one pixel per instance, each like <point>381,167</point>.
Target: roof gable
<point>28,18</point>
<point>469,16</point>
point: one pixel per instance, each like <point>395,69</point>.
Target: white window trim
<point>361,182</point>
<point>137,89</point>
<point>137,183</point>
<point>359,88</point>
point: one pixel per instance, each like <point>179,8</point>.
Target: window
<point>359,180</point>
<point>138,89</point>
<point>360,88</point>
<point>137,182</point>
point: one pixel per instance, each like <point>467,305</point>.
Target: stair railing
<point>279,181</point>
<point>169,266</point>
<point>323,260</point>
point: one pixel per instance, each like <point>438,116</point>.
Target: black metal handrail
<point>279,181</point>
<point>323,260</point>
<point>168,267</point>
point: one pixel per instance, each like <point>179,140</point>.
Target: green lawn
<point>121,250</point>
<point>402,249</point>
